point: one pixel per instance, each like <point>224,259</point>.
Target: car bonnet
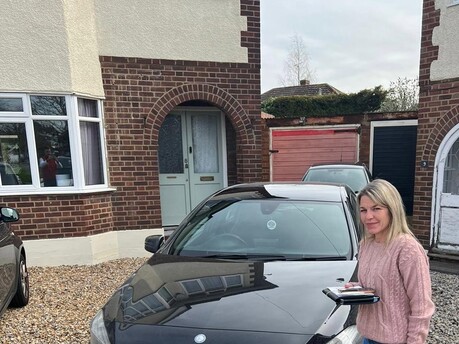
<point>213,294</point>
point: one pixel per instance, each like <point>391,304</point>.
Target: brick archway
<point>248,147</point>
<point>438,133</point>
<point>429,143</point>
<point>212,94</point>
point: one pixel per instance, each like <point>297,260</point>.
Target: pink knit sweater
<point>399,272</point>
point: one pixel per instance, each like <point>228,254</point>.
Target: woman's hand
<point>352,284</point>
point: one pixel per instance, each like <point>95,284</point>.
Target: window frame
<point>73,119</point>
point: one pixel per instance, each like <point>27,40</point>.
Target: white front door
<point>191,161</point>
<point>446,206</point>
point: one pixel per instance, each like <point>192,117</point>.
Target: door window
<point>205,143</point>
<point>451,172</point>
<point>170,145</point>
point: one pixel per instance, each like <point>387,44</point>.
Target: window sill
<point>56,191</point>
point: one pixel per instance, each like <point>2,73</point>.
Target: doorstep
<point>445,263</point>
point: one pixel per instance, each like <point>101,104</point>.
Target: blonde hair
<point>383,193</point>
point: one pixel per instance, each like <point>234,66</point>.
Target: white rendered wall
<point>88,250</point>
<point>54,46</point>
<point>194,30</point>
<point>446,37</point>
<point>49,47</point>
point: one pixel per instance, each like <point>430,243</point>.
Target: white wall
<point>88,250</point>
<point>49,47</point>
<point>196,30</point>
<point>445,36</point>
<point>54,46</point>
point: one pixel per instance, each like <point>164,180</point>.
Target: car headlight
<point>98,330</point>
<point>349,336</point>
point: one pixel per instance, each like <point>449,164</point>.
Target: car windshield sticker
<point>271,224</point>
<point>200,338</point>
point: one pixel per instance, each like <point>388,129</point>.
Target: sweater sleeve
<point>414,269</point>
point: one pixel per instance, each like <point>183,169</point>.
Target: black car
<point>355,175</point>
<point>14,279</point>
<point>247,265</point>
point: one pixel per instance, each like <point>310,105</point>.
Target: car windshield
<point>266,228</point>
<point>353,177</point>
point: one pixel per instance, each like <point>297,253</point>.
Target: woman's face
<point>375,218</point>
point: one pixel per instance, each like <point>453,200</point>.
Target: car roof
<point>338,165</point>
<point>314,191</point>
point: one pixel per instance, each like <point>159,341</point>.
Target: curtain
<point>90,143</point>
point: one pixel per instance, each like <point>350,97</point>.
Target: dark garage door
<point>394,158</point>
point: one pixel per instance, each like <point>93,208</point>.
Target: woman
<point>394,263</point>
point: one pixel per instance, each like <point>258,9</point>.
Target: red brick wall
<point>139,94</point>
<point>438,114</point>
<point>47,217</point>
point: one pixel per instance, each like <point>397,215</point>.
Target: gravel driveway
<point>64,299</point>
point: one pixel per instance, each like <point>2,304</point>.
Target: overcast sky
<point>352,44</point>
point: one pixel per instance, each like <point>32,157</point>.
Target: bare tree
<point>403,95</point>
<point>296,67</point>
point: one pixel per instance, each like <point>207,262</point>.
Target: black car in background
<point>357,176</point>
<point>247,265</point>
<point>14,278</point>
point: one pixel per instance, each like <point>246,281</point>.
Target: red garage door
<point>293,150</point>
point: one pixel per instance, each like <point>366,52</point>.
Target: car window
<point>290,228</point>
<point>356,179</point>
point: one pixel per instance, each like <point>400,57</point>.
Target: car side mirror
<point>153,243</point>
<point>9,214</point>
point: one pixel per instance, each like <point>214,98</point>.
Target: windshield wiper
<point>264,257</point>
<point>315,258</point>
<point>271,257</point>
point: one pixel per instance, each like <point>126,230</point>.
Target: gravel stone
<point>64,299</point>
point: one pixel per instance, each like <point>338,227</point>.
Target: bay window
<point>51,143</point>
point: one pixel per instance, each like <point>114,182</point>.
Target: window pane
<point>170,145</point>
<point>451,177</point>
<point>205,143</point>
<point>48,105</point>
<point>11,104</point>
<point>92,153</point>
<point>14,156</point>
<point>52,142</point>
<point>87,108</point>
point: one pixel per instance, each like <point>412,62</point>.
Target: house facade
<point>118,118</point>
<point>436,203</point>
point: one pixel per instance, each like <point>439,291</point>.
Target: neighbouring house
<point>385,142</point>
<point>422,146</point>
<point>436,206</point>
<point>119,117</point>
<point>304,89</point>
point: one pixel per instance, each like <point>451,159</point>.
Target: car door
<point>7,263</point>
